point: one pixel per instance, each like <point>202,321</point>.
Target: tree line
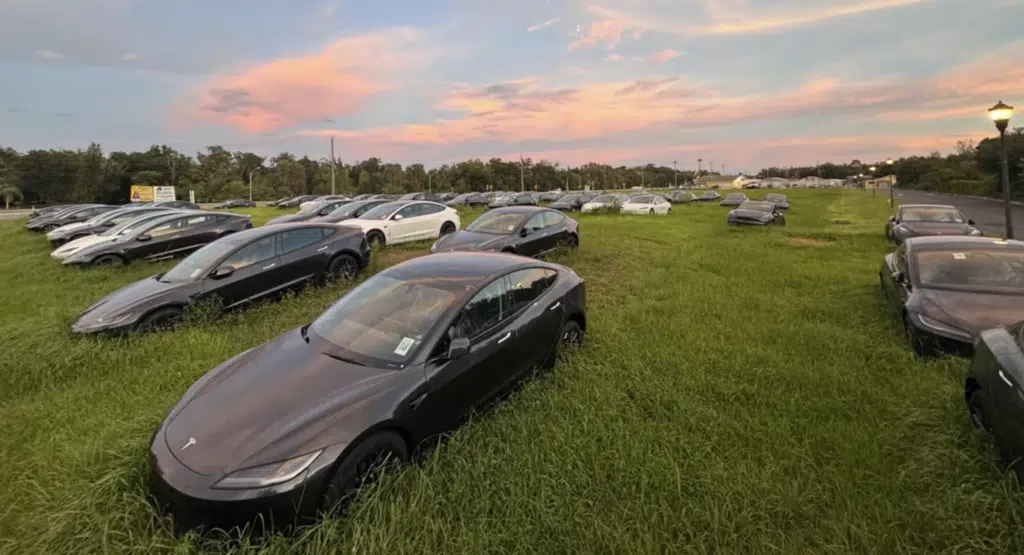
<point>89,175</point>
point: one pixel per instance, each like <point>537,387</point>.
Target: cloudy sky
<point>741,83</point>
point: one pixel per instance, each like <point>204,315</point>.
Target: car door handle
<point>322,249</point>
<point>503,339</point>
<point>269,266</point>
<point>1005,379</point>
<point>556,305</point>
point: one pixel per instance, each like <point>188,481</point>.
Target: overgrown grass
<point>741,391</point>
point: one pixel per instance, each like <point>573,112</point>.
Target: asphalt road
<point>988,214</point>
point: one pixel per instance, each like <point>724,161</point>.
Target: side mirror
<point>109,224</point>
<point>896,221</point>
<point>892,218</point>
<point>898,277</point>
<point>144,237</point>
<point>223,272</point>
<point>524,232</point>
<point>970,222</point>
<point>398,217</point>
<point>458,348</point>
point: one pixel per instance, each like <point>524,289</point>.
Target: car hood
<point>127,299</point>
<point>470,240</point>
<point>267,404</point>
<point>73,247</point>
<point>936,228</point>
<point>972,312</point>
<point>750,215</point>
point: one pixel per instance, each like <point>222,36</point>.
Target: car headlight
<point>268,474</point>
<point>942,327</point>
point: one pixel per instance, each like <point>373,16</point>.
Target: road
<point>988,214</point>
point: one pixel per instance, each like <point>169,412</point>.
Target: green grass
<point>741,391</point>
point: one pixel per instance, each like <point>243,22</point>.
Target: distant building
<point>776,183</point>
<point>722,181</point>
<point>880,182</point>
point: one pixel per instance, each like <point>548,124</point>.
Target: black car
<point>99,223</point>
<point>237,270</point>
<point>36,212</point>
<point>175,204</point>
<point>681,197</point>
<point>550,196</point>
<point>526,230</point>
<point>947,290</point>
<point>994,392</point>
<point>349,210</point>
<point>403,357</point>
<point>310,213</point>
<point>469,199</point>
<point>570,201</point>
<point>733,199</point>
<point>445,197</point>
<point>67,216</point>
<point>278,201</point>
<point>295,202</point>
<point>238,203</point>
<point>421,196</point>
<point>175,234</point>
<point>780,201</point>
<point>708,196</point>
<point>921,220</point>
<point>364,196</point>
<point>756,212</point>
<point>500,201</point>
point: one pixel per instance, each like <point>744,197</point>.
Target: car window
<point>526,286</point>
<point>298,238</point>
<point>327,232</point>
<point>552,218</point>
<point>431,209</point>
<point>535,223</point>
<point>263,249</point>
<point>482,313</point>
<point>411,211</point>
<point>167,228</point>
<point>197,221</point>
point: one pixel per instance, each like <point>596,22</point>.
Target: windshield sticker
<point>404,346</point>
<point>959,256</point>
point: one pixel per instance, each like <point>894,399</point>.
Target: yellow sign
<point>141,193</point>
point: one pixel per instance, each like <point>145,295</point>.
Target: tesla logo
<point>191,441</point>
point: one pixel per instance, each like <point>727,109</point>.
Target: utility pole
<point>333,163</point>
<point>675,177</point>
<point>429,180</point>
<point>712,165</point>
<point>522,175</point>
<point>250,184</point>
<point>642,182</point>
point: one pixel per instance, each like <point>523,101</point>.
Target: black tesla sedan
<point>733,199</point>
<point>36,212</point>
<point>570,201</point>
<point>948,289</point>
<point>295,202</point>
<point>780,201</point>
<point>99,223</point>
<point>74,214</point>
<point>310,212</point>
<point>421,196</point>
<point>525,230</point>
<point>238,270</point>
<point>922,220</point>
<point>403,357</point>
<point>756,212</point>
<point>278,201</point>
<point>349,211</point>
<point>994,392</point>
<point>708,196</point>
<point>175,234</point>
<point>468,199</point>
<point>237,203</point>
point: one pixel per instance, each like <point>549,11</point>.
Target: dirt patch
<point>807,242</point>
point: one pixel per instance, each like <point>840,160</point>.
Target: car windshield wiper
<point>345,359</point>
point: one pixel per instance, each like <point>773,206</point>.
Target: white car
<point>71,247</point>
<point>603,202</point>
<point>403,221</point>
<point>321,200</point>
<point>646,204</point>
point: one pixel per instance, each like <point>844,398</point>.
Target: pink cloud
<point>661,57</point>
<point>607,32</point>
<point>335,81</point>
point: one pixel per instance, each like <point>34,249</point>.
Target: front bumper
<point>960,347</point>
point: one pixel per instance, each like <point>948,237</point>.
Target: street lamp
<point>1001,114</point>
<point>892,180</point>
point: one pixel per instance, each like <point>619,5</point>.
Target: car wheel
<point>572,335</point>
<point>376,239</point>
<point>362,466</point>
<point>447,228</point>
<point>976,402</point>
<point>652,211</point>
<point>162,319</point>
<point>571,242</point>
<point>109,260</point>
<point>917,343</point>
<point>344,266</point>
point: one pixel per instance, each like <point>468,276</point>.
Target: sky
<point>740,84</point>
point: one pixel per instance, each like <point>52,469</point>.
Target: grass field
<point>741,391</point>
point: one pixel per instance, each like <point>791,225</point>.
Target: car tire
<point>572,335</point>
<point>359,467</point>
<point>571,242</point>
<point>343,266</point>
<point>160,319</point>
<point>976,402</point>
<point>109,260</point>
<point>446,229</point>
<point>376,239</point>
<point>917,344</point>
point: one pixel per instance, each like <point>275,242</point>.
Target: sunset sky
<point>745,83</point>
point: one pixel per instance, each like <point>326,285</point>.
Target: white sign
<point>192,196</point>
<point>163,194</point>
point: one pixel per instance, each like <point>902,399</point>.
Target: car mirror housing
<point>524,232</point>
<point>144,237</point>
<point>458,348</point>
<point>397,217</point>
<point>223,272</point>
<point>109,224</point>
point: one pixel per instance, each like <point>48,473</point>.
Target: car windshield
<point>497,223</point>
<point>757,206</point>
<point>981,270</point>
<point>200,262</point>
<point>383,211</point>
<point>943,215</point>
<point>125,227</point>
<point>386,317</point>
<point>643,199</point>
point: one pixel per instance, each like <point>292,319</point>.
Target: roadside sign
<point>192,196</point>
<point>164,194</point>
<point>141,193</point>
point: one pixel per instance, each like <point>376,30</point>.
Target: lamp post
<point>892,181</point>
<point>1001,114</point>
<point>873,168</point>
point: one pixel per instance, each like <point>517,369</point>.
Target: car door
<point>194,233</point>
<point>457,387</point>
<point>250,280</point>
<point>556,228</point>
<point>1007,394</point>
<point>535,324</point>
<point>157,242</point>
<point>431,220</point>
<point>535,241</point>
<point>303,256</point>
<point>404,224</point>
